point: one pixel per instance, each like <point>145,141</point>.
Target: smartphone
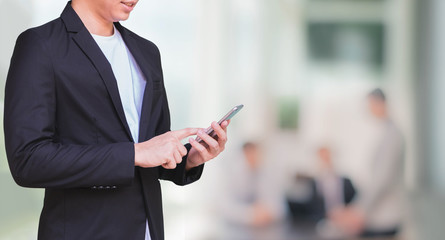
<point>228,116</point>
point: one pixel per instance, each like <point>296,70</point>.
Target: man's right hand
<point>165,150</point>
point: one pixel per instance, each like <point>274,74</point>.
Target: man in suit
<point>86,117</point>
<point>328,191</point>
<point>332,190</point>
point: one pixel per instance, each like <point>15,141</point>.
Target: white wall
<point>436,97</point>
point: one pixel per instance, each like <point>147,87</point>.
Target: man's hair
<point>378,94</point>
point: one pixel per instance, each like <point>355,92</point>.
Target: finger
<point>220,132</point>
<point>183,133</point>
<point>177,157</point>
<point>211,142</point>
<point>204,130</point>
<point>200,148</point>
<point>225,124</point>
<point>170,164</point>
<point>182,150</point>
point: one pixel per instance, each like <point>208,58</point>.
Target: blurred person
<point>378,209</point>
<point>327,191</point>
<point>248,201</point>
<point>333,190</point>
<point>86,117</point>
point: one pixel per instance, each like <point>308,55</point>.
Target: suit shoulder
<point>347,182</point>
<point>44,32</point>
<point>147,43</point>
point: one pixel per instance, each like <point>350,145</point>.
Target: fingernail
<point>200,132</point>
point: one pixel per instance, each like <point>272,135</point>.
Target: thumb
<point>186,132</point>
<point>169,164</point>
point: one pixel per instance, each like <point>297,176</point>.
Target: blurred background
<point>304,69</point>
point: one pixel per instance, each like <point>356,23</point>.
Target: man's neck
<point>92,21</point>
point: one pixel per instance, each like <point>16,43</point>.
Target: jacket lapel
<point>87,44</point>
<point>147,71</point>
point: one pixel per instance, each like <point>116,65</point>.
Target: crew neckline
<point>106,37</point>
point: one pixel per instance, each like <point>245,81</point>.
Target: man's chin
<point>122,17</point>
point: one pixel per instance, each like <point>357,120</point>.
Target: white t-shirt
<point>130,82</point>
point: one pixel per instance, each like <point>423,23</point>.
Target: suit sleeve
<point>36,159</point>
<point>179,175</point>
<point>348,191</point>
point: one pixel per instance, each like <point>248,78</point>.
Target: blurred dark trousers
<point>386,233</point>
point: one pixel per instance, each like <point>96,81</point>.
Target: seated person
<point>249,201</point>
<point>327,191</point>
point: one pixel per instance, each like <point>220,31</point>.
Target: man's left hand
<point>209,148</point>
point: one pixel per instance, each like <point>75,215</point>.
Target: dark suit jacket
<point>65,131</point>
<point>314,207</point>
<point>317,203</point>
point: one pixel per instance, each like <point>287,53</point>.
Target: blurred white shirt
<point>246,187</point>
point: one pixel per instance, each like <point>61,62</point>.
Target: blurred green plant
<point>288,110</point>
